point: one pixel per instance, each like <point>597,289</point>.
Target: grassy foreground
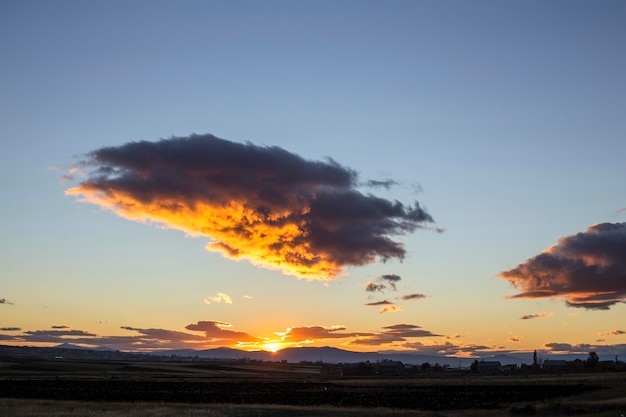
<point>45,388</point>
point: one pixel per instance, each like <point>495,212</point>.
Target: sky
<point>421,176</point>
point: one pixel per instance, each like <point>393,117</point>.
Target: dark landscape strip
<point>289,393</point>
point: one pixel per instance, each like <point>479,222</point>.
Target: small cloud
<point>60,327</point>
<point>384,183</point>
<point>10,329</point>
<point>391,279</point>
<point>413,297</point>
<point>515,339</point>
<point>391,309</point>
<point>382,283</point>
<point>247,297</point>
<point>373,287</point>
<point>219,298</point>
<point>536,316</point>
<point>612,333</point>
<point>5,301</point>
<point>379,303</point>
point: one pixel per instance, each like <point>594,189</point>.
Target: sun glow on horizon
<point>273,346</point>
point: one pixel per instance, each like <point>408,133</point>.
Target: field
<point>71,388</point>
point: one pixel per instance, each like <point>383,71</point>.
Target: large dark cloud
<point>265,204</point>
<point>587,269</point>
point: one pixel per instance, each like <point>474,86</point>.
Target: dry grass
<point>46,408</point>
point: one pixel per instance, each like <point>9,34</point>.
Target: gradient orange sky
<point>436,177</point>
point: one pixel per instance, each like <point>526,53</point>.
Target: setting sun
<point>273,347</point>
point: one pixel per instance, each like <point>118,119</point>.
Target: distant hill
<point>325,354</point>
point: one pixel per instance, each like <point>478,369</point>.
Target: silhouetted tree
<point>592,360</point>
<point>474,366</point>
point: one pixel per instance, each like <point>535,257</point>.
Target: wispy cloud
<point>394,333</point>
<point>379,303</point>
<point>409,297</point>
<point>374,287</point>
<point>541,315</point>
<point>10,329</point>
<point>382,183</point>
<point>5,301</point>
<point>515,339</point>
<point>391,280</point>
<point>219,298</point>
<point>586,270</point>
<point>60,327</point>
<point>612,333</point>
<point>264,204</point>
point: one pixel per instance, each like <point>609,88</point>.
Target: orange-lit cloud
<point>587,269</point>
<point>263,204</point>
<point>515,339</point>
<point>541,315</point>
<point>391,309</point>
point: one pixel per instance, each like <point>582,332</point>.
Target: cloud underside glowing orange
<point>237,232</point>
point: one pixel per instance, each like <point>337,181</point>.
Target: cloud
<point>61,327</point>
<point>379,303</point>
<point>263,204</point>
<point>413,297</point>
<point>217,330</point>
<point>391,309</point>
<point>541,315</point>
<point>5,301</point>
<point>10,329</point>
<point>57,336</point>
<point>384,183</point>
<point>391,279</point>
<point>586,270</point>
<point>165,335</point>
<point>394,333</point>
<point>612,333</point>
<point>382,283</point>
<point>299,334</point>
<point>515,339</point>
<point>219,298</point>
<point>374,287</point>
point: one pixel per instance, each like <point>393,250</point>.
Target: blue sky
<point>504,119</point>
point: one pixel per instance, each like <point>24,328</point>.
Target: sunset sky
<point>431,176</point>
